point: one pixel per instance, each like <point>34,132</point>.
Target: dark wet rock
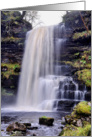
<point>32,128</point>
<point>16,127</point>
<point>17,70</point>
<point>46,121</point>
<point>27,124</point>
<point>11,82</point>
<point>72,87</point>
<point>34,135</point>
<point>66,105</point>
<point>88,96</point>
<point>7,119</point>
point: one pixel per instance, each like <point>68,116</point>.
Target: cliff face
<point>77,50</point>
<point>13,33</point>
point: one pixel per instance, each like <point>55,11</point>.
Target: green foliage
<point>81,35</point>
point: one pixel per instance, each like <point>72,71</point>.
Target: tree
<point>31,16</point>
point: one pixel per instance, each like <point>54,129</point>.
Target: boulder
<point>16,127</point>
<point>46,121</point>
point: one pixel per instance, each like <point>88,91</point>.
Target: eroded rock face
<point>46,121</point>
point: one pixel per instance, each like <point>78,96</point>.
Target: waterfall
<point>37,62</point>
<point>42,82</point>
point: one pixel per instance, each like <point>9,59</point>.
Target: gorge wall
<point>77,50</point>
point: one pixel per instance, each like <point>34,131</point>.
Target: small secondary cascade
<point>42,82</point>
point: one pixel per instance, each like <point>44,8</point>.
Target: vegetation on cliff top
<point>13,27</point>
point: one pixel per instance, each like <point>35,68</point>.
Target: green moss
<point>44,117</point>
<point>76,131</point>
<point>83,108</point>
<point>85,76</point>
<point>11,39</point>
<point>76,54</point>
<point>11,68</point>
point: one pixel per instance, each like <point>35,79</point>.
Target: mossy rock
<point>83,108</point>
<point>71,130</point>
<point>16,127</point>
<point>85,76</point>
<point>46,121</point>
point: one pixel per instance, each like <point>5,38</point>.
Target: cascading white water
<point>37,62</point>
<point>40,78</point>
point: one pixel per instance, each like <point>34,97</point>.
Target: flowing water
<point>39,86</point>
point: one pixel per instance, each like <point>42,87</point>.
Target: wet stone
<point>16,127</point>
<point>32,128</point>
<point>46,121</point>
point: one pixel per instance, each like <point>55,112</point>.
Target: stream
<point>33,118</point>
